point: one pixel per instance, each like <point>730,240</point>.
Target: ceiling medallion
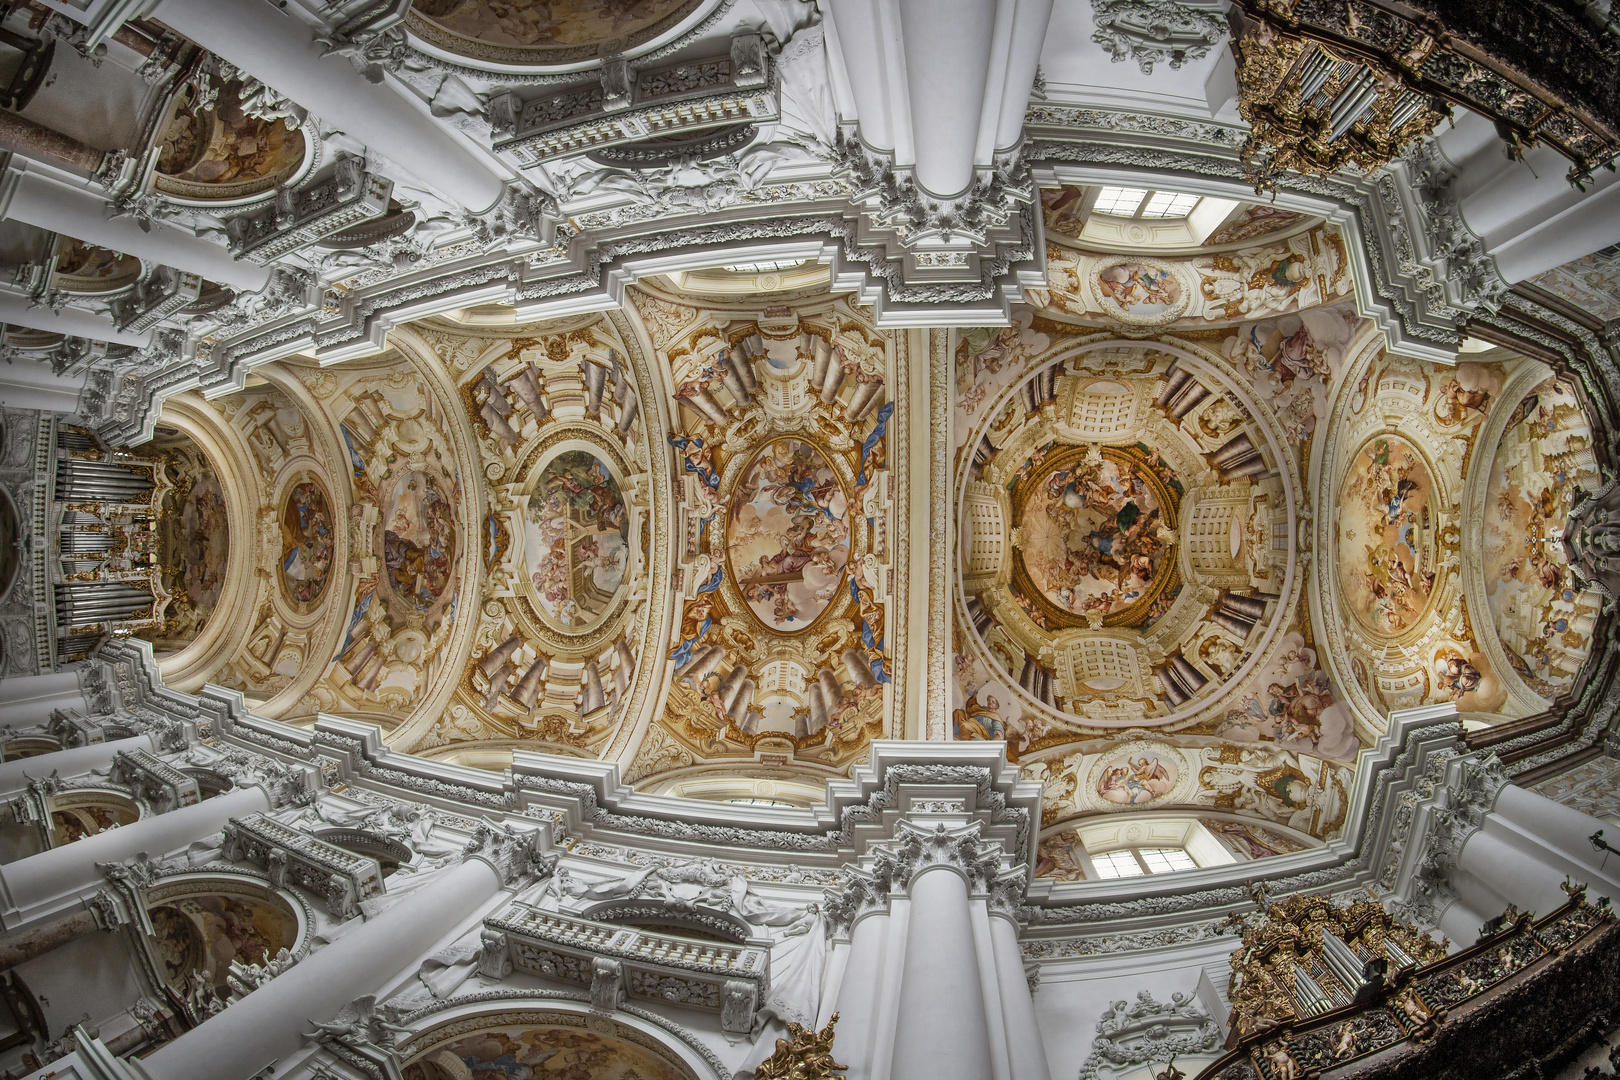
<point>1099,528</point>
<point>1313,109</point>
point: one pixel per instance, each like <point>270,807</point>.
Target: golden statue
<point>804,1055</point>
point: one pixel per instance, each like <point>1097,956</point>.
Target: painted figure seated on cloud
<point>1291,362</point>
<point>1291,703</point>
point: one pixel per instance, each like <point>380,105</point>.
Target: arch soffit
<point>427,364</point>
<point>226,632</point>
<point>1475,499</point>
<point>326,623</point>
<point>1345,436</point>
<point>442,1022</point>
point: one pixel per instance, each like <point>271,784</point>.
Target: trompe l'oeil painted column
<point>270,1023</point>
<point>933,987</point>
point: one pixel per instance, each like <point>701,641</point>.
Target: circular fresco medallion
<point>306,545</point>
<point>1140,292</point>
<point>787,537</point>
<point>1140,774</point>
<point>418,539</point>
<point>1388,553</point>
<point>576,541</point>
<point>1098,536</point>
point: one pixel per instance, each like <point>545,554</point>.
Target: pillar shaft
<point>14,775</point>
<point>940,1033</point>
<point>280,52</point>
<point>1460,923</point>
<point>82,214</point>
<point>858,995</point>
<point>72,321</point>
<point>1528,883</point>
<point>38,940</point>
<point>45,883</point>
<point>1564,827</point>
<point>1025,1051</point>
<point>35,687</point>
<point>23,136</point>
<point>29,701</point>
<point>270,1023</point>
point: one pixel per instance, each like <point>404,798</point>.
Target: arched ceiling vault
<point>1205,529</point>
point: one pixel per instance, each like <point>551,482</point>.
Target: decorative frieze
<point>732,979</point>
<point>623,107</point>
<point>295,858</point>
<point>296,219</point>
<point>154,780</point>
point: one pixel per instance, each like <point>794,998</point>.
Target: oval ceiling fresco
<point>306,545</point>
<point>576,539</point>
<point>418,539</point>
<point>1388,551</point>
<point>543,31</point>
<point>1099,532</point>
<point>788,535</point>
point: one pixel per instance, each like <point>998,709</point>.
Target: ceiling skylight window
<point>1169,204</point>
<point>1120,202</point>
<point>1117,864</point>
<point>1142,204</point>
<point>1166,860</point>
<point>763,267</point>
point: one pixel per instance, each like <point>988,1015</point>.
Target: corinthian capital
<point>917,849</point>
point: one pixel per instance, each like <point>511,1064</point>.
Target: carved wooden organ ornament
<point>1325,85</point>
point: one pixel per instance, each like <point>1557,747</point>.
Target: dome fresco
<point>704,539</point>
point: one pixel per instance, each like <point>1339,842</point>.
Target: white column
<point>45,883</point>
<point>832,982</point>
<point>72,321</point>
<point>942,85</point>
<point>1460,924</point>
<point>1528,883</point>
<point>31,384</point>
<point>1026,1051</point>
<point>947,55</point>
<point>33,198</point>
<point>1528,215</point>
<point>940,1033</point>
<point>14,775</point>
<point>1564,827</point>
<point>29,700</point>
<point>858,1005</point>
<point>270,1023</point>
<point>279,51</point>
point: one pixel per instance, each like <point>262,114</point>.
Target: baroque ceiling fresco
<point>1202,533</point>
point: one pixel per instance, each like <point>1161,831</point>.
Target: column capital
<point>917,849</point>
<point>857,895</point>
<point>1454,813</point>
<point>512,853</point>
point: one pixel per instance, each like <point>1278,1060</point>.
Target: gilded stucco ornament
<point>1314,108</point>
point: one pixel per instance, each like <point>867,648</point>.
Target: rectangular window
<point>1166,860</point>
<point>1117,864</point>
<point>1121,202</point>
<point>1169,204</point>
